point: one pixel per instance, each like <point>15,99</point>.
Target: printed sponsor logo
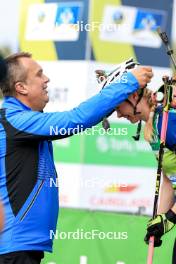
<point>52,21</point>
<point>133,25</point>
<point>121,188</point>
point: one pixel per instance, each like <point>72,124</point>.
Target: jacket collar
<point>13,103</point>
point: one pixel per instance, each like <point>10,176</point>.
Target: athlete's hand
<point>173,103</point>
<point>159,226</point>
<point>143,75</point>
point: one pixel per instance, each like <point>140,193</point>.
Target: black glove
<point>160,225</point>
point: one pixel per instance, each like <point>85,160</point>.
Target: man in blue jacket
<point>1,216</point>
<point>26,155</point>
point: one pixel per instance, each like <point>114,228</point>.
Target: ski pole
<point>168,92</point>
<point>168,98</point>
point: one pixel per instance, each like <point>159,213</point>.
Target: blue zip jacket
<point>27,167</point>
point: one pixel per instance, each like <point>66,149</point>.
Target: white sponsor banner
<point>68,84</point>
<point>133,25</point>
<point>53,21</point>
<point>69,184</point>
<point>118,189</point>
<point>107,188</point>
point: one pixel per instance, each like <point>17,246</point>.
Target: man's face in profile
<point>35,84</point>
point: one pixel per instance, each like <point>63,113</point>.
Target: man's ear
<point>20,88</point>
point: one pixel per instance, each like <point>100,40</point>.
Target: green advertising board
<point>116,147</point>
<point>126,247</point>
